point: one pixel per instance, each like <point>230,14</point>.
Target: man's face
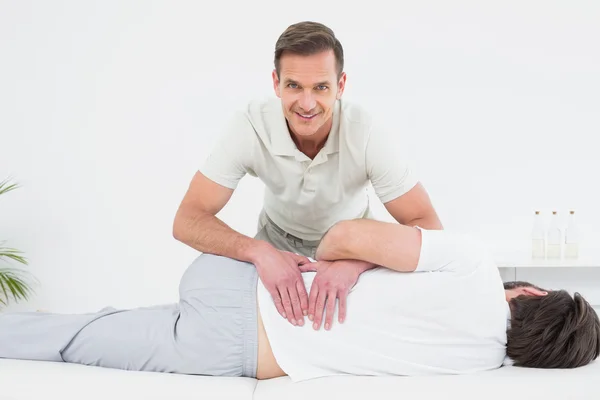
<point>308,87</point>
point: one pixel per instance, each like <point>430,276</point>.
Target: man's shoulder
<point>265,109</point>
<point>259,120</point>
<point>355,121</point>
<point>256,118</point>
<point>354,112</point>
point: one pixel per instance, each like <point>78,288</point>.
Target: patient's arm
<point>386,244</point>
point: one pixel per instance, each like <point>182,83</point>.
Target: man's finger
<point>331,297</point>
<point>287,305</point>
<point>319,308</point>
<point>298,259</point>
<point>342,306</point>
<point>303,296</point>
<point>296,308</point>
<point>312,300</point>
<point>277,300</point>
<point>302,259</point>
<point>307,267</point>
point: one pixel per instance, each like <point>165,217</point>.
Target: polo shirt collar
<point>283,145</point>
<point>332,145</point>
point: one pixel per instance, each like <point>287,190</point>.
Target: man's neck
<point>311,145</point>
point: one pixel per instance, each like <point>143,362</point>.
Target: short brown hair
<point>552,331</point>
<point>308,38</point>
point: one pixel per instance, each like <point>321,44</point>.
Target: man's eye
<point>292,86</point>
<point>322,87</point>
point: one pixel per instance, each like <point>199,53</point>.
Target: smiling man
<point>317,155</point>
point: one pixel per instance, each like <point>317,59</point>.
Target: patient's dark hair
<point>552,331</point>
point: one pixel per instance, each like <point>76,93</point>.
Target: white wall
<point>107,109</point>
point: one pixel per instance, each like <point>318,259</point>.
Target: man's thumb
<point>300,259</point>
<point>307,267</point>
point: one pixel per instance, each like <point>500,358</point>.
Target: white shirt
<point>302,196</point>
<point>448,317</point>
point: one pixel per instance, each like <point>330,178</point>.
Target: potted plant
<point>12,280</point>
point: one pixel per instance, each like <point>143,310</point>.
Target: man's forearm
<point>431,221</point>
<point>364,265</point>
<point>208,234</point>
<point>390,245</point>
<point>333,246</point>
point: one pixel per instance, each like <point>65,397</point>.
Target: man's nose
<point>307,101</point>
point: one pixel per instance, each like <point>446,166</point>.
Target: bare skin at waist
<point>267,367</point>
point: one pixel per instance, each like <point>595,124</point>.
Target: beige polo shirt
<point>302,196</point>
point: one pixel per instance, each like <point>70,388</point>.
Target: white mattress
<point>39,380</point>
<point>61,381</point>
<point>502,384</point>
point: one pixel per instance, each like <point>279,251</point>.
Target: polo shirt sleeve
<point>390,174</point>
<point>230,158</point>
<point>450,251</point>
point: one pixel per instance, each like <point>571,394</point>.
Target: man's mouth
<point>306,117</point>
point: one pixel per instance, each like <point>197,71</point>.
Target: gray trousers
<point>270,232</point>
<point>212,330</point>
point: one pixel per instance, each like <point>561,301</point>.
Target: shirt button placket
<point>309,181</point>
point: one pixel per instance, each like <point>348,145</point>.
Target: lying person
<point>435,304</point>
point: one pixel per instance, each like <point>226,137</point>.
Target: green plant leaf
<point>12,282</point>
<point>13,254</point>
<point>14,285</point>
<point>6,186</point>
<point>3,291</point>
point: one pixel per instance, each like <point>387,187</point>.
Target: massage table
<point>49,380</point>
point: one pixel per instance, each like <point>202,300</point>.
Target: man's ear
<point>276,83</point>
<point>531,291</point>
<point>341,86</point>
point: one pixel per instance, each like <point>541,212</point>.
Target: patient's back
<point>447,317</point>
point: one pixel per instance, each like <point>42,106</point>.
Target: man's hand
<point>333,280</point>
<point>279,272</point>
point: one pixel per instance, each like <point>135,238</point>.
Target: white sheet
<point>502,384</point>
<point>35,380</point>
<point>39,380</point>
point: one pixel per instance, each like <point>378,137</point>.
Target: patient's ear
<point>531,291</point>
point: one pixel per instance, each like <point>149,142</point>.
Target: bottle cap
<point>553,212</point>
<point>572,212</point>
<point>537,212</point>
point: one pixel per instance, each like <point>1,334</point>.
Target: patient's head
<point>550,329</point>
